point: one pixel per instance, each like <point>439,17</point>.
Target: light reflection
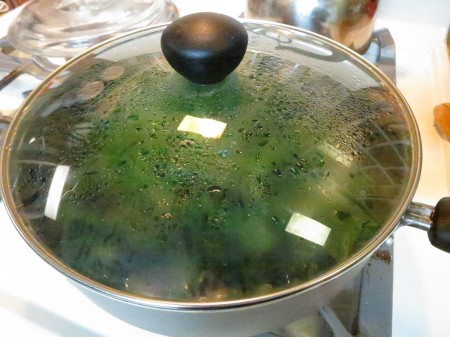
<point>306,7</point>
<point>55,191</point>
<point>308,229</point>
<point>336,154</point>
<point>205,127</point>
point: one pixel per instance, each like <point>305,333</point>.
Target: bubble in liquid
<point>91,90</point>
<point>223,153</point>
<point>214,189</point>
<point>112,73</point>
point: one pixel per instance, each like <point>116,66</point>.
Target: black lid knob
<point>204,47</point>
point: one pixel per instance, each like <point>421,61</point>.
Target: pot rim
<point>387,229</point>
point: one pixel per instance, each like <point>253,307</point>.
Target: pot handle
<point>436,221</point>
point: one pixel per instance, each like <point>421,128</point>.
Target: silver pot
<point>349,22</point>
<point>112,173</point>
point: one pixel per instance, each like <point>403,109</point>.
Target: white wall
<point>427,12</point>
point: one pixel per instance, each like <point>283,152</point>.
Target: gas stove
<point>401,296</point>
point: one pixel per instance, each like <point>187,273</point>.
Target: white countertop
<point>36,300</point>
<point>421,272</point>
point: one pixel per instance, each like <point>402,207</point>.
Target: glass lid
<point>129,177</point>
<point>65,28</point>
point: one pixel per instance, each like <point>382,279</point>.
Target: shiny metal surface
<point>418,215</point>
<point>349,22</point>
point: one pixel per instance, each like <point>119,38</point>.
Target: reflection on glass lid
<point>144,182</point>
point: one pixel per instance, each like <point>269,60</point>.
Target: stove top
<point>402,296</point>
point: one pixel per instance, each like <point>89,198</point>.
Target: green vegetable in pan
<point>181,213</point>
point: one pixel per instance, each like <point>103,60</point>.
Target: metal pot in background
<point>350,22</point>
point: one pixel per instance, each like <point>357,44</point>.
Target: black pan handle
<point>439,233</point>
<point>436,221</point>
